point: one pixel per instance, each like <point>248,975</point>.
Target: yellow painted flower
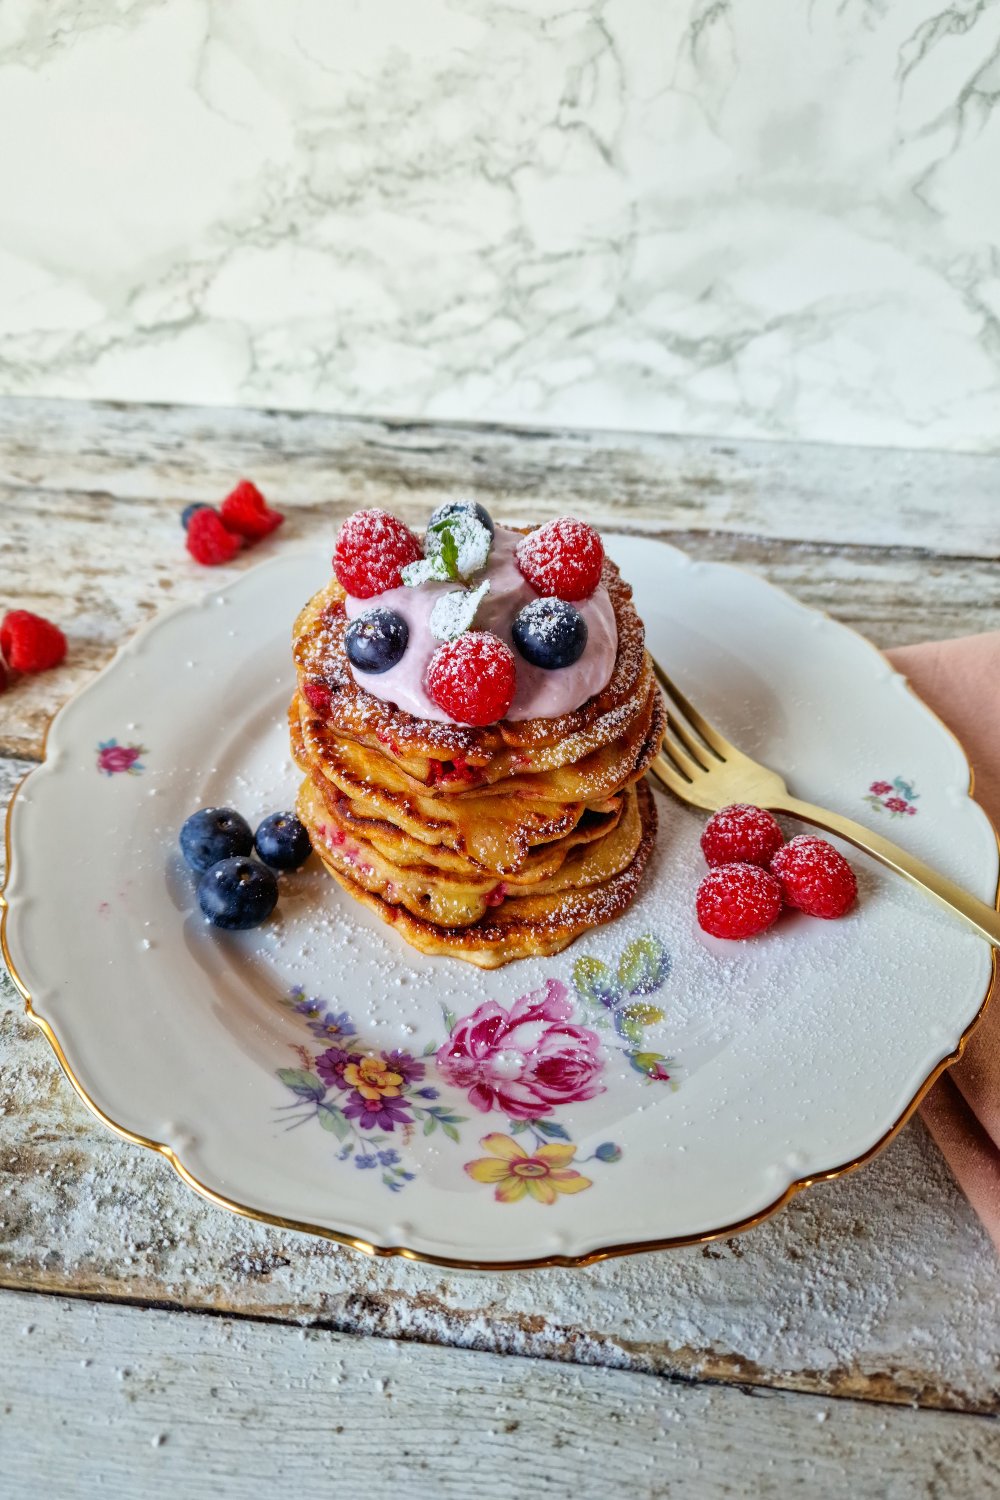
<point>514,1173</point>
<point>373,1078</point>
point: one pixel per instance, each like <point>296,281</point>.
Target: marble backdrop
<point>746,217</point>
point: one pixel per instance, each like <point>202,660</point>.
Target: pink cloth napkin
<point>958,679</point>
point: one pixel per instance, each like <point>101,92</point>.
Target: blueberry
<point>550,633</point>
<point>237,893</point>
<point>376,640</point>
<point>455,507</point>
<point>282,842</point>
<point>212,834</point>
<point>189,511</point>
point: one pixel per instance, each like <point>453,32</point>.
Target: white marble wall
<point>750,217</point>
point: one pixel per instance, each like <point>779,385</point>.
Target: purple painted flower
<point>329,1025</point>
<point>880,788</point>
<point>406,1066</point>
<point>304,1004</point>
<point>323,1023</point>
<point>330,1065</point>
<point>386,1113</point>
<point>365,1161</point>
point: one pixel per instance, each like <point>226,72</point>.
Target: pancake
<point>497,824</point>
<point>486,844</point>
<point>457,898</point>
<point>533,926</point>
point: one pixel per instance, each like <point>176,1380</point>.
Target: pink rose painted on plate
<point>113,758</point>
<point>525,1061</point>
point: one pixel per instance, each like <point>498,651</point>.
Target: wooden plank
<point>796,491</point>
<point>198,1406</point>
<point>882,1285</point>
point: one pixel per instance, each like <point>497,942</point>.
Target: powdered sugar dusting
<point>456,611</point>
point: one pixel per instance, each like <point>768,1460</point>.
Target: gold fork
<point>700,766</point>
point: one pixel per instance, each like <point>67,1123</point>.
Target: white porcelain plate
<point>646,1087</point>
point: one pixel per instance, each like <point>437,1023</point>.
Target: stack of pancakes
<point>487,844</point>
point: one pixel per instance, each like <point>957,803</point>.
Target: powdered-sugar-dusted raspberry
<point>372,550</point>
<point>473,678</point>
<point>815,877</point>
<point>318,696</point>
<point>736,901</point>
<point>29,643</point>
<point>564,557</point>
<point>208,541</point>
<point>246,512</point>
<point>741,834</point>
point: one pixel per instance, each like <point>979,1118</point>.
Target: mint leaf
<point>453,614</point>
<point>426,570</point>
<point>449,552</point>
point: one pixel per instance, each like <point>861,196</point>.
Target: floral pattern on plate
<point>523,1063</point>
<point>896,797</point>
<point>114,759</point>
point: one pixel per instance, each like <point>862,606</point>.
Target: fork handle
<point>985,919</point>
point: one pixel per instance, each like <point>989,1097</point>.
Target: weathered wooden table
<point>154,1343</point>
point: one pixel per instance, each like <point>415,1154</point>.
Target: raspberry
<point>735,901</point>
<point>473,678</point>
<point>372,550</point>
<point>208,541</point>
<point>815,877</point>
<point>741,834</point>
<point>318,696</point>
<point>563,558</point>
<point>246,512</point>
<point>29,643</point>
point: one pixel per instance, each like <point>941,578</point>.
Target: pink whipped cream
<point>540,694</point>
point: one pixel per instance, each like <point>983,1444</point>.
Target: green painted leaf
<point>517,1127</point>
<point>450,1020</point>
<point>331,1118</point>
<point>647,1062</point>
<point>430,1125</point>
<point>449,1131</point>
<point>642,1015</point>
<point>551,1129</point>
<point>303,1083</point>
<point>593,981</point>
<point>628,1029</point>
<point>643,966</point>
